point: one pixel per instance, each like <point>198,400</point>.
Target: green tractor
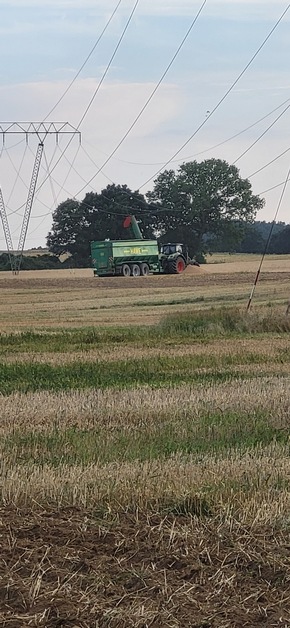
<point>174,258</point>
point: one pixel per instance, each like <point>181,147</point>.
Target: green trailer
<point>137,257</point>
<point>125,257</point>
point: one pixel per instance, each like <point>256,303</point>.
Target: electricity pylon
<point>41,130</point>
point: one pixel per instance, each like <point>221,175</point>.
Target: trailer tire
<point>135,270</point>
<point>126,270</point>
<point>145,270</point>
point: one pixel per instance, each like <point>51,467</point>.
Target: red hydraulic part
<point>127,222</point>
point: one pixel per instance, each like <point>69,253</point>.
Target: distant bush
<point>33,262</point>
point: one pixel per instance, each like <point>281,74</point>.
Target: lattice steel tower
<point>41,130</point>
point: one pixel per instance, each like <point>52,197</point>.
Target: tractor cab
<point>173,249</point>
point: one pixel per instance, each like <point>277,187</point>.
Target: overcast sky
<point>43,45</point>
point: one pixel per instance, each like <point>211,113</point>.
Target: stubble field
<point>145,448</point>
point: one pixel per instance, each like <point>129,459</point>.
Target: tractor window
<point>170,249</point>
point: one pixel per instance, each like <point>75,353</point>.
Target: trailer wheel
<point>144,269</point>
<point>135,270</point>
<point>126,270</point>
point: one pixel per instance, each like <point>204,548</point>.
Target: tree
<point>280,242</point>
<point>97,217</point>
<point>67,224</point>
<point>252,241</point>
<point>264,228</point>
<point>204,201</point>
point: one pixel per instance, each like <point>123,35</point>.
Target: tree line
<point>256,239</point>
<point>206,205</point>
<point>200,204</point>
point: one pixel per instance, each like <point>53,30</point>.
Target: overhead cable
<point>110,62</point>
<point>16,211</point>
<point>274,187</point>
<point>268,240</point>
<point>222,99</point>
<point>269,163</point>
<point>18,176</point>
<point>85,61</point>
<point>156,210</point>
<point>71,167</point>
<point>95,93</point>
<point>60,99</point>
<point>149,98</point>
<point>50,179</point>
<point>262,135</point>
<point>206,150</point>
<point>103,77</point>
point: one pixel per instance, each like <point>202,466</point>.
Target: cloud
<point>114,109</point>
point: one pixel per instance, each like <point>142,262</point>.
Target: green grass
<point>212,433</point>
<point>224,321</point>
<point>121,374</point>
<point>181,326</point>
<point>155,372</point>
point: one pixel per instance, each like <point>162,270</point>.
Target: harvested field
<point>56,299</point>
<point>144,451</point>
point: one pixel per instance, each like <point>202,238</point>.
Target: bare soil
<point>70,569</point>
<point>189,278</point>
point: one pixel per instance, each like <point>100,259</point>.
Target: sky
<point>44,44</point>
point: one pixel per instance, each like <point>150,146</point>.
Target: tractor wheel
<point>126,270</point>
<point>144,269</point>
<point>135,270</point>
<point>176,266</point>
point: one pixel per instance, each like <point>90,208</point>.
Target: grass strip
<point>155,372</point>
<point>212,433</point>
<point>177,327</point>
